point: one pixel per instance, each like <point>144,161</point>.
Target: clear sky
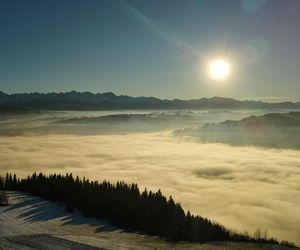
<point>152,48</point>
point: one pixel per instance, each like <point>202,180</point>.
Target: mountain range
<point>107,101</point>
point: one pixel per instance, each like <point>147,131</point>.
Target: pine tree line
<point>126,207</point>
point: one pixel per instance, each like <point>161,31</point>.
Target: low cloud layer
<point>244,188</point>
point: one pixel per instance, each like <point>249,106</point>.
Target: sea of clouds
<point>243,188</point>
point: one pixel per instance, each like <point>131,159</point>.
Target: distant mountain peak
<point>109,94</point>
<point>74,100</point>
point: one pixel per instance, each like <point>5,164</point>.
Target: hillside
<point>273,130</point>
<point>291,119</point>
<point>107,101</point>
<point>30,223</point>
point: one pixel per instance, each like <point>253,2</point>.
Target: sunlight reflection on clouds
<point>241,187</point>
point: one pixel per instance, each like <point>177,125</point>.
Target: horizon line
<point>266,99</point>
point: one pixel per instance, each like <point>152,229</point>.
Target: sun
<point>219,69</point>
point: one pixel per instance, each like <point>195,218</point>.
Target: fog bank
<point>241,187</point>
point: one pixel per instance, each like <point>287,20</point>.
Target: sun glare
<point>219,69</point>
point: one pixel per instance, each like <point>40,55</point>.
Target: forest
<point>127,207</point>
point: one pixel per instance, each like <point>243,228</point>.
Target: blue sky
<point>151,48</point>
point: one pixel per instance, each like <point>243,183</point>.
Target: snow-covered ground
<point>32,223</point>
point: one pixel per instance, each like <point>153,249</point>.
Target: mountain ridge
<point>74,100</point>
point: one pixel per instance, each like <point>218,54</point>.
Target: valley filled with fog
<point>113,122</point>
<point>213,167</point>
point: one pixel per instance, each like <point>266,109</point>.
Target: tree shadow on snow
<point>35,209</point>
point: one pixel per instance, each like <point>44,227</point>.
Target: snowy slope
<point>32,223</point>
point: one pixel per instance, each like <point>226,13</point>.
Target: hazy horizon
<point>268,99</point>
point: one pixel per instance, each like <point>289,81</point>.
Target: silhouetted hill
<point>102,101</point>
<point>273,130</point>
<point>291,119</point>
